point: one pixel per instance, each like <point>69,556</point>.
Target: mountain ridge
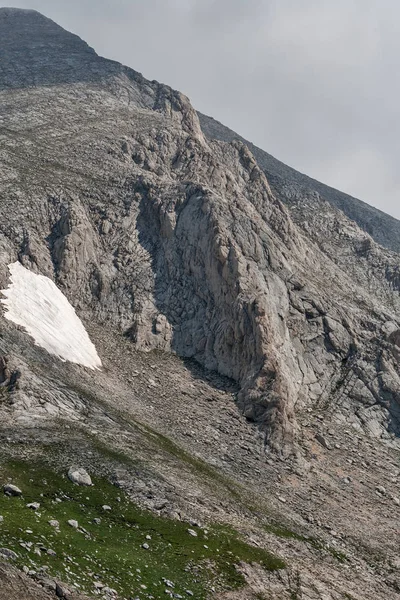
<point>383,228</point>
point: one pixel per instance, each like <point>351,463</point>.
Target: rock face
<point>178,241</point>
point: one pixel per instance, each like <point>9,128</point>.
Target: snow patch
<point>35,302</point>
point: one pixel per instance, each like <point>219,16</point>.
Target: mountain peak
<point>15,17</point>
<point>37,51</point>
<point>11,11</point>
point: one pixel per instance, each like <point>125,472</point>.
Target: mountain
<point>211,338</point>
<point>288,183</point>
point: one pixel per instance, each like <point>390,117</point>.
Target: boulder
<point>7,554</point>
<point>12,490</point>
<point>73,523</point>
<point>54,523</point>
<point>79,476</point>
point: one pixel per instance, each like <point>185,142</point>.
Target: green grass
<point>111,552</point>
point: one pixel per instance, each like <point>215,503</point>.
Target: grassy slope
<point>111,552</point>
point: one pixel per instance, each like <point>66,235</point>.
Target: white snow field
<point>35,302</point>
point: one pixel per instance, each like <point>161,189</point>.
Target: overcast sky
<point>316,83</point>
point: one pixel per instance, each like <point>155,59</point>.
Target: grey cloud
<point>314,83</point>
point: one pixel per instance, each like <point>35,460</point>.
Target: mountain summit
<point>247,327</point>
<point>37,51</point>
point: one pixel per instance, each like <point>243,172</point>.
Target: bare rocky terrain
<point>288,183</point>
<point>248,327</point>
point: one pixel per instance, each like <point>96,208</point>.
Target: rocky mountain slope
<point>249,348</point>
<point>288,183</point>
